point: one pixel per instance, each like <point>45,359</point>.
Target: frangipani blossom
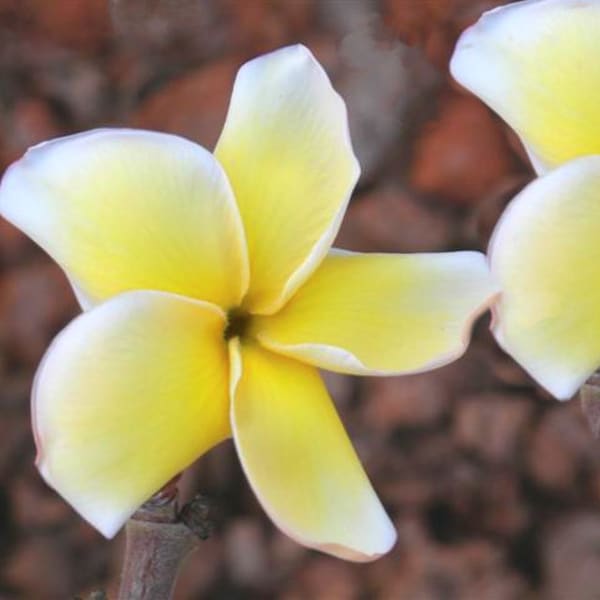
<point>537,63</point>
<point>211,296</point>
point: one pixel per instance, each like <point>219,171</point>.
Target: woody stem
<point>159,538</point>
<point>590,402</point>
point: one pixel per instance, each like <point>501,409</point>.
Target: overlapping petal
<point>122,210</point>
<point>536,64</point>
<point>287,152</point>
<point>127,396</point>
<point>378,313</point>
<point>299,460</point>
<point>545,253</point>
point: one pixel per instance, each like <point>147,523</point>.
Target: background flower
<point>536,63</point>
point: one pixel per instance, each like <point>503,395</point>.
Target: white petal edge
<point>468,70</point>
<point>334,549</point>
<point>562,387</point>
<point>110,526</point>
<point>320,249</point>
<point>293,54</point>
<point>332,357</point>
<point>13,185</point>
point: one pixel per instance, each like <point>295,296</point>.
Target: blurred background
<point>493,486</point>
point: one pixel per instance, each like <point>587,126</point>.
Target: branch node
<point>159,538</point>
<point>197,516</point>
<point>590,403</point>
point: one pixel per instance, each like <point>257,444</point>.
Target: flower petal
<point>128,395</point>
<point>544,254</point>
<point>287,152</point>
<point>536,64</point>
<point>126,209</point>
<point>299,459</point>
<point>382,313</point>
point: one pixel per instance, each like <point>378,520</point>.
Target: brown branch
<point>159,538</point>
<point>590,402</point>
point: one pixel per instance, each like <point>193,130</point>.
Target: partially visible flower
<point>537,63</point>
<point>212,298</point>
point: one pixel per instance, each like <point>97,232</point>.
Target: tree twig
<point>590,402</point>
<point>159,538</point>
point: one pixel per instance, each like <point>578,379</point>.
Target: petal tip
<point>564,391</point>
<point>300,52</point>
<point>352,553</point>
<point>99,520</point>
<point>387,541</point>
<point>561,386</point>
<point>5,184</point>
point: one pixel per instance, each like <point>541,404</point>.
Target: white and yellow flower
<point>211,298</point>
<point>537,63</point>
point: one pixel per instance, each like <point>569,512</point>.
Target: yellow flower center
<point>237,323</point>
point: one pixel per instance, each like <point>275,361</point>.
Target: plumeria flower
<point>210,298</point>
<point>537,64</point>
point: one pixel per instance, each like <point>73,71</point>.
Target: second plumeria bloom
<point>537,63</point>
<point>212,297</point>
